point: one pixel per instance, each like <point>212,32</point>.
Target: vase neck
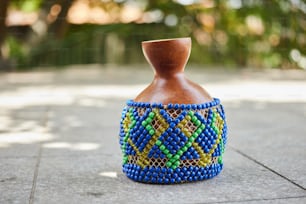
<point>168,72</point>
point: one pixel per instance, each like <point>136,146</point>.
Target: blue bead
<point>169,130</point>
<point>172,125</point>
<point>170,171</point>
<point>163,170</point>
<point>180,117</point>
<point>176,106</point>
<point>170,106</point>
<point>181,174</point>
<point>184,113</point>
<point>176,121</point>
<point>154,105</point>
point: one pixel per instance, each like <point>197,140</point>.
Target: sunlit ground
<point>59,135</point>
<point>75,88</point>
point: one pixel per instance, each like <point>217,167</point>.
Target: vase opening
<point>167,57</point>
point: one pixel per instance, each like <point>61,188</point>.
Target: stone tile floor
<point>59,137</point>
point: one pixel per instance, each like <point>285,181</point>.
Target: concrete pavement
<point>59,137</point>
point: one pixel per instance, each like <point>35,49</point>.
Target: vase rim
<point>205,105</point>
<point>166,39</point>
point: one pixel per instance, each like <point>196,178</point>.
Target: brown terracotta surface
<point>168,59</point>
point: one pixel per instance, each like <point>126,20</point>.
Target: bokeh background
<point>231,34</point>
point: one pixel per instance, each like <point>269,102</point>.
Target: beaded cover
<point>172,143</point>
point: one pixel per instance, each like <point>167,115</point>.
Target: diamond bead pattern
<point>158,141</point>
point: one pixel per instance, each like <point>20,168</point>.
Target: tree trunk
<point>4,63</point>
<point>60,26</point>
<point>3,12</point>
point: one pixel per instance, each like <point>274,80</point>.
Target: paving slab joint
<point>266,167</point>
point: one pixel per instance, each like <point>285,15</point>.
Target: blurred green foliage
<point>235,33</point>
<point>26,5</point>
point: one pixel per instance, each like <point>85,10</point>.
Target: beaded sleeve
<point>172,143</point>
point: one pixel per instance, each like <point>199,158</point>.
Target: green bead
<point>194,119</point>
<point>191,113</point>
<point>195,135</point>
<point>172,160</point>
<point>199,130</point>
<point>125,159</point>
<point>158,143</point>
<point>162,147</point>
<point>220,160</point>
<point>149,127</point>
<point>151,115</point>
<point>126,138</point>
<point>176,157</point>
<point>144,123</point>
<point>151,132</point>
<point>149,120</point>
<point>166,151</point>
<point>202,126</point>
<point>184,148</point>
<point>168,164</point>
<point>177,163</point>
<point>169,156</point>
<point>173,166</point>
<point>188,144</point>
<point>197,123</point>
<point>191,139</point>
<point>180,152</point>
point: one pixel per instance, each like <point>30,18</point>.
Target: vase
<point>173,131</point>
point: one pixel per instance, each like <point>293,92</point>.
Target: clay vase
<point>168,59</point>
<point>173,131</point>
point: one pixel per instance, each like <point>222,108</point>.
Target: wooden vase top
<point>168,58</point>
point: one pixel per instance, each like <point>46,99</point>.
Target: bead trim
<point>162,162</point>
<point>175,106</point>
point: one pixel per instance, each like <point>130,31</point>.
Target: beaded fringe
<point>172,143</point>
